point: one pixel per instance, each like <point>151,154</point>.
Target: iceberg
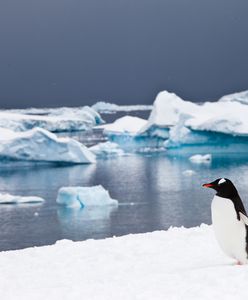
<point>166,112</point>
<point>241,97</point>
<point>54,120</point>
<point>125,133</point>
<point>107,149</point>
<point>12,199</point>
<point>85,196</point>
<point>41,145</point>
<point>105,107</point>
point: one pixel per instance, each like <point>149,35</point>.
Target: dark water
<point>152,191</point>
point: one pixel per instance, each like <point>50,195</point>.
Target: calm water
<point>152,191</point>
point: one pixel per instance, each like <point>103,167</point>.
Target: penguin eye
<point>222,180</point>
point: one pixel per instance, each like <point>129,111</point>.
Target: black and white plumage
<point>230,221</point>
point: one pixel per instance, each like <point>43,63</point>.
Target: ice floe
<point>41,145</point>
<point>199,158</point>
<point>107,149</point>
<point>241,97</point>
<point>13,199</point>
<point>54,120</point>
<point>77,196</point>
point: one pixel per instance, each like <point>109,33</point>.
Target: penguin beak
<point>208,185</point>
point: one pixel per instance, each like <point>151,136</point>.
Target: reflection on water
<point>153,193</point>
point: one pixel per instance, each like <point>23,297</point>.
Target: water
<point>152,190</point>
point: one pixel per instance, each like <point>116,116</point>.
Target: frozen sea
<point>153,191</point>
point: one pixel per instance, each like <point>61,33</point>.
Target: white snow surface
<point>52,119</point>
<point>175,264</point>
<point>14,199</point>
<point>198,158</point>
<point>77,196</point>
<point>41,145</point>
<point>111,107</point>
<point>126,124</point>
<point>107,149</point>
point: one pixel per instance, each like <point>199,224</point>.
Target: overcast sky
<point>77,52</point>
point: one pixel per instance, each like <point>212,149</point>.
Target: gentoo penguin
<point>230,221</point>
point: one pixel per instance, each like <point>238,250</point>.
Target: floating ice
<point>198,158</point>
<point>189,172</point>
<point>111,107</point>
<point>41,145</point>
<point>84,196</point>
<point>107,149</point>
<point>126,124</point>
<point>55,120</point>
<point>12,199</point>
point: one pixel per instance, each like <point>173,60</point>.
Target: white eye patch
<point>222,180</point>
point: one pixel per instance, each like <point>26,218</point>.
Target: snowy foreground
<point>174,264</point>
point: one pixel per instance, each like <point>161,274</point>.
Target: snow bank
<point>175,264</point>
<point>107,149</point>
<point>55,120</point>
<point>84,196</point>
<point>111,107</point>
<point>198,158</point>
<point>12,199</point>
<point>41,145</point>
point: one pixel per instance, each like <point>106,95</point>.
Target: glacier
<point>41,145</point>
<point>55,120</point>
<point>13,199</point>
<point>77,197</point>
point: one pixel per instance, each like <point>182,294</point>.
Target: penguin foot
<point>239,263</point>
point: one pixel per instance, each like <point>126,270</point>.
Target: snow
<point>13,199</point>
<point>41,145</point>
<point>111,107</point>
<point>126,124</point>
<point>175,264</point>
<point>198,158</point>
<point>55,120</point>
<point>77,196</point>
<point>107,149</point>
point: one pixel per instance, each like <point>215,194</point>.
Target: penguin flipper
<point>244,218</point>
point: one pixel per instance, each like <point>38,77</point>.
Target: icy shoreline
<point>175,264</point>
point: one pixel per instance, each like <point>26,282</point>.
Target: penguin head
<point>223,186</point>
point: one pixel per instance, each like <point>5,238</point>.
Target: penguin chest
<point>230,232</point>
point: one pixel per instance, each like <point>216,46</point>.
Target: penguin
<point>230,221</point>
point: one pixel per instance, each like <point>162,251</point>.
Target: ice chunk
<point>12,199</point>
<point>84,196</point>
<point>189,172</point>
<point>54,120</point>
<point>41,145</point>
<point>107,149</point>
<point>111,107</point>
<point>198,158</point>
<point>126,124</point>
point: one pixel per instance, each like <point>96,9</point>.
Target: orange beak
<point>207,185</point>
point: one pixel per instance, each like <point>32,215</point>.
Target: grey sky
<point>77,52</point>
